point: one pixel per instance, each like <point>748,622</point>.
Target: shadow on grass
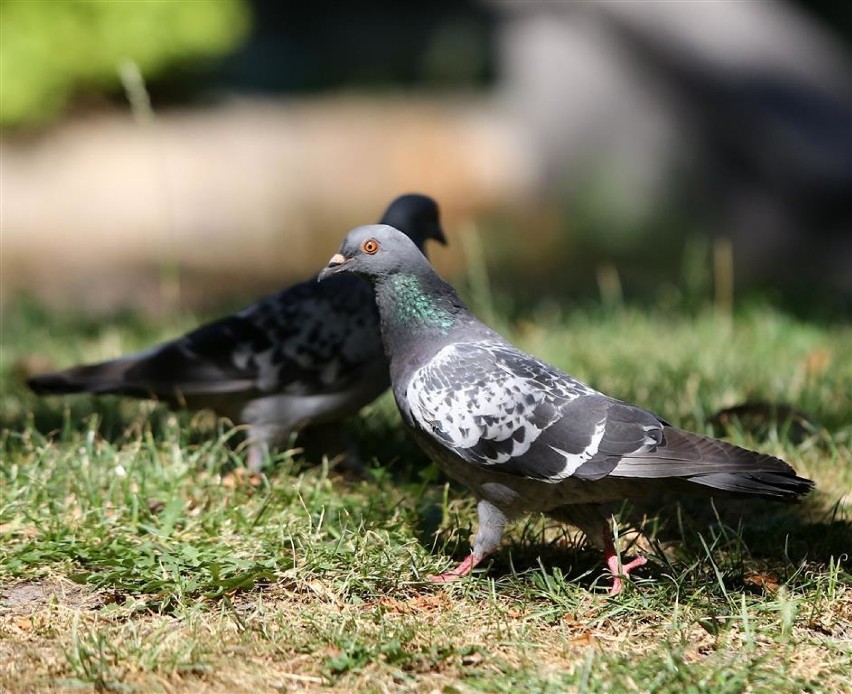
<point>684,530</point>
<point>696,541</point>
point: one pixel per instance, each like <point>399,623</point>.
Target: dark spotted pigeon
<point>523,435</point>
<point>307,356</point>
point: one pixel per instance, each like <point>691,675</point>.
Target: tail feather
<point>168,372</point>
<point>714,466</point>
<point>106,377</point>
<point>767,484</point>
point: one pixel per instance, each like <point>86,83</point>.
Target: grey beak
<point>333,267</point>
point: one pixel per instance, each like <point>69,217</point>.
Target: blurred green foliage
<point>49,49</point>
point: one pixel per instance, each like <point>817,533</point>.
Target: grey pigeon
<point>309,355</point>
<point>521,434</point>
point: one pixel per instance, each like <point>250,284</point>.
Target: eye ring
<point>370,246</point>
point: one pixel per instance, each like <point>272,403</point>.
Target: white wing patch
<point>267,371</point>
<point>650,442</point>
<point>575,460</point>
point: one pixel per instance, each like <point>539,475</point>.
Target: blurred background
<point>170,156</point>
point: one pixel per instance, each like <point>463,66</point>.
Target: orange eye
<point>370,246</point>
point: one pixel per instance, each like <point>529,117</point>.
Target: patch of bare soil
<point>29,596</point>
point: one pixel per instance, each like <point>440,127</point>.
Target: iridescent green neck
<point>413,306</point>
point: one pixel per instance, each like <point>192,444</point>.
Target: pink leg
<point>611,558</point>
<point>256,457</point>
<point>461,570</point>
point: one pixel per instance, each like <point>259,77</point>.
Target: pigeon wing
<point>496,407</point>
<point>309,339</point>
<point>318,337</point>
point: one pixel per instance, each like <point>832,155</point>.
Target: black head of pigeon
<point>418,215</point>
<point>521,434</point>
<point>304,357</point>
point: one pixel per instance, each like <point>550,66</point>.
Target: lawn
<point>136,556</point>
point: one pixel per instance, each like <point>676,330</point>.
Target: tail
<point>710,466</point>
<point>770,485</point>
<point>172,372</point>
<point>102,378</point>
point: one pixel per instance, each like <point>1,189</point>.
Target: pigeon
<point>305,357</point>
<point>522,435</point>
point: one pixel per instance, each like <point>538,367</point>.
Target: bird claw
<point>612,565</point>
<point>447,577</point>
<point>462,570</point>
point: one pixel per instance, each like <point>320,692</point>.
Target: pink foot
<point>612,563</point>
<point>461,570</point>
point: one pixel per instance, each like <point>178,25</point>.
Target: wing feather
<point>309,339</point>
<point>502,410</point>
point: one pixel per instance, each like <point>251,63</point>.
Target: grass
<point>136,556</point>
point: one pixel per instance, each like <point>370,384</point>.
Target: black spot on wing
<point>320,336</point>
<point>218,342</point>
<point>574,431</point>
<point>540,463</point>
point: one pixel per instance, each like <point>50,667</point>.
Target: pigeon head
<point>417,217</point>
<point>375,251</point>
